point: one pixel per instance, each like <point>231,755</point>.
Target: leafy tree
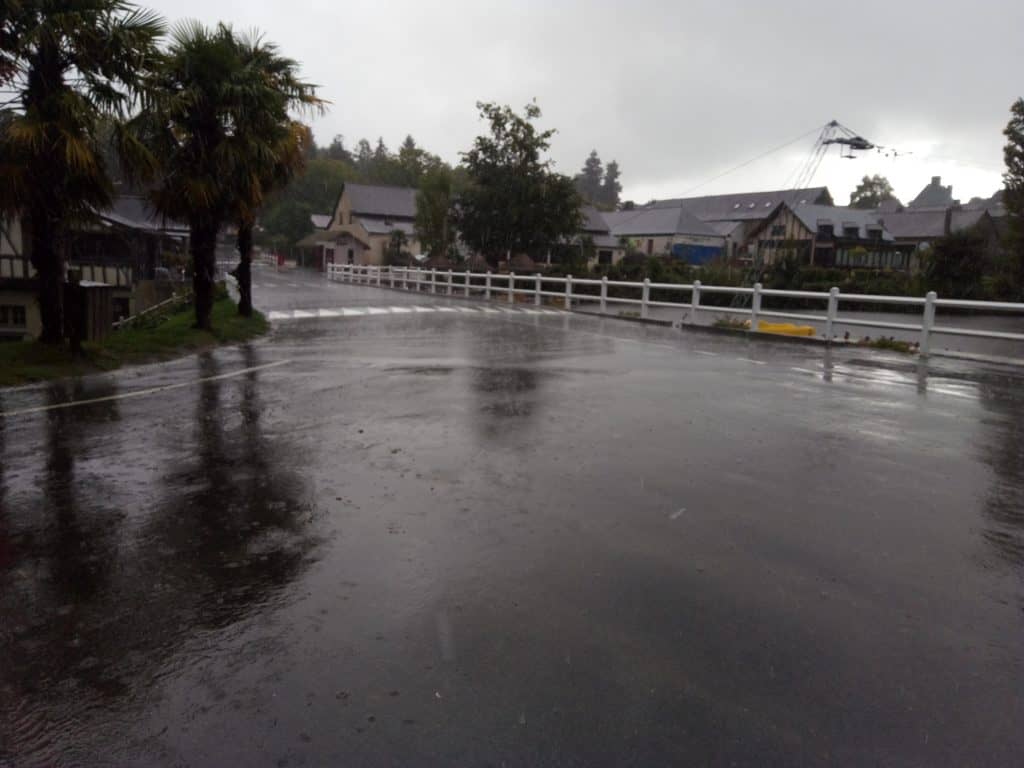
<point>434,211</point>
<point>1013,197</point>
<point>514,203</point>
<point>337,151</point>
<point>610,187</point>
<point>396,243</point>
<point>270,145</point>
<point>588,181</point>
<point>871,192</point>
<point>955,265</point>
<point>69,66</point>
<point>364,156</point>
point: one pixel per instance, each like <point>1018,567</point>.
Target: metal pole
<point>433,280</point>
<point>927,322</point>
<point>466,284</point>
<point>833,310</point>
<point>695,301</point>
<point>568,293</point>
<point>487,286</point>
<point>449,282</point>
<point>536,291</point>
<point>645,297</point>
<point>755,306</point>
<point>511,287</point>
<point>604,294</point>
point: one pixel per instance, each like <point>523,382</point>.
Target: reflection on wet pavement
<point>454,539</point>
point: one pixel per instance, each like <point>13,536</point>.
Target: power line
<point>752,160</point>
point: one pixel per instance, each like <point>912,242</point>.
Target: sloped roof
<point>933,196</point>
<point>929,224</point>
<point>320,220</point>
<point>744,205</point>
<point>376,200</point>
<point>385,226</point>
<point>137,213</point>
<point>657,221</point>
<point>593,220</point>
<point>840,218</point>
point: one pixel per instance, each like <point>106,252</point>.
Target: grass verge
<point>159,337</point>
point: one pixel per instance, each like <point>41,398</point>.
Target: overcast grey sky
<point>676,91</point>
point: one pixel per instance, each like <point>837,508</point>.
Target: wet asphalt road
<point>462,538</point>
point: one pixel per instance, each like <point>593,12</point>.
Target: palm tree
<point>65,66</point>
<point>272,147</point>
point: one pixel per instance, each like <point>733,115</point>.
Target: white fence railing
<point>507,286</point>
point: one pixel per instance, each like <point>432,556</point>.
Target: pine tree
<point>1013,181</point>
<point>611,188</point>
<point>588,182</point>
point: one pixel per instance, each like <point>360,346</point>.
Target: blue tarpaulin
<point>695,254</point>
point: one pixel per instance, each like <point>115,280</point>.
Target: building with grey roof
<point>934,196</point>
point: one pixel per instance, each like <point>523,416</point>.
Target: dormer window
<point>851,231</point>
<point>826,230</point>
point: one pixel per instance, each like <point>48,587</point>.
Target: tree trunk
<point>48,259</point>
<point>203,244</point>
<point>244,272</point>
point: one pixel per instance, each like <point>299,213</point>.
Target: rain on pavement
<point>435,537</point>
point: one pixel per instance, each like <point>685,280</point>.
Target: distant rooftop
<point>377,200</point>
<point>744,205</point>
<point>934,196</point>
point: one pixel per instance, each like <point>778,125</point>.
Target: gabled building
<point>666,229</point>
<point>828,236</point>
<point>735,216</point>
<point>934,196</point>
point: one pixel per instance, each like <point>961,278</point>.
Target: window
<point>853,232</point>
<point>650,247</point>
<point>825,230</point>
<point>604,258</point>
<point>778,230</point>
<point>12,315</point>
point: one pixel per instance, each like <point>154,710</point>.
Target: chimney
<point>936,181</point>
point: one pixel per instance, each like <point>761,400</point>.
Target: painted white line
<point>423,309</point>
<point>708,354</point>
<point>755,362</point>
<point>804,370</point>
<point>279,316</point>
<point>400,310</point>
<point>141,392</point>
<point>349,312</point>
<point>490,311</point>
<point>509,311</point>
<point>470,310</point>
<point>302,314</point>
<point>376,311</point>
<point>328,313</point>
<point>445,309</point>
<point>549,312</point>
<point>532,311</point>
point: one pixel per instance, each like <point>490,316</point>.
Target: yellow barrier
<point>786,329</point>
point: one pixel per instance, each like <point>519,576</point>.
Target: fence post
<point>833,310</point>
<point>604,294</point>
<point>645,298</point>
<point>391,276</point>
<point>487,286</point>
<point>927,322</point>
<point>568,293</point>
<point>449,282</point>
<point>379,270</point>
<point>433,280</point>
<point>694,301</point>
<point>755,306</point>
<point>536,291</point>
<point>511,287</point>
<point>466,284</point>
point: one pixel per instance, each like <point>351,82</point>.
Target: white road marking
<point>470,310</point>
<point>489,311</point>
<point>708,354</point>
<point>329,312</point>
<point>677,514</point>
<point>141,392</point>
<point>376,311</point>
<point>400,310</point>
<point>755,362</point>
<point>423,309</point>
<point>349,312</point>
<point>279,315</point>
<point>446,309</point>
<point>804,370</point>
<point>302,314</point>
